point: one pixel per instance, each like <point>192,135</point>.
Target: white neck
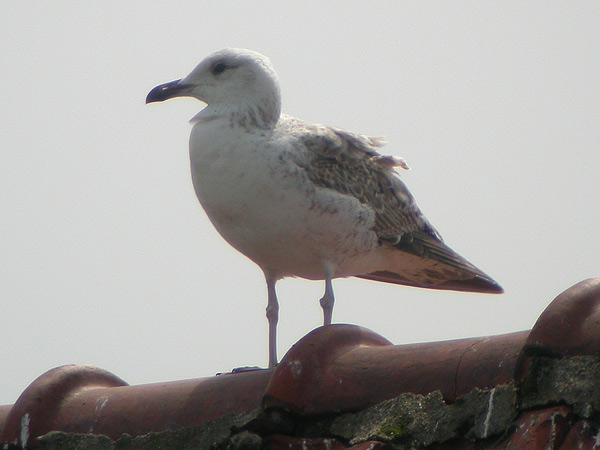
<point>263,114</point>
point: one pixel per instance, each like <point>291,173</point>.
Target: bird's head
<point>230,81</point>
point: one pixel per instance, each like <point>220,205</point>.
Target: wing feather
<point>349,163</point>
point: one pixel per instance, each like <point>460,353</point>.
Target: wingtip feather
<point>479,284</point>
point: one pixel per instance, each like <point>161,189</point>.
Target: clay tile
<point>570,324</point>
<point>279,441</point>
<point>4,411</point>
<point>83,399</point>
<point>540,429</point>
<point>490,361</point>
<point>335,369</point>
<point>582,436</point>
<point>35,410</point>
<point>347,368</point>
<point>303,378</point>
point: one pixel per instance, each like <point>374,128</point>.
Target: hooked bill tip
<point>166,91</point>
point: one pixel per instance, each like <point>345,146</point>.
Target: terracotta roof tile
<point>570,324</point>
<point>347,368</point>
<point>346,387</point>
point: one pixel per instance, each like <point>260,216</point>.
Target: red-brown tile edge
<point>487,419</point>
<point>302,373</point>
<point>570,325</point>
<point>337,369</point>
<point>435,426</point>
<point>35,408</point>
<point>540,429</point>
<point>4,412</point>
<point>83,399</point>
<point>277,442</point>
<point>582,436</point>
<point>347,368</point>
<point>333,369</point>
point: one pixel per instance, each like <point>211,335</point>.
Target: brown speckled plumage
<point>303,199</point>
<point>349,163</point>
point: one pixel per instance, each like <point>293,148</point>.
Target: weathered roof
<point>345,386</point>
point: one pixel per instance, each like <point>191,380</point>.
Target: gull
<point>302,199</point>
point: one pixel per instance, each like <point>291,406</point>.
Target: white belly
<point>263,206</point>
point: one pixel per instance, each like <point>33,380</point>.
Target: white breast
<point>263,205</point>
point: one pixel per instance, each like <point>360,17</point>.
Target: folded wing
<point>415,252</point>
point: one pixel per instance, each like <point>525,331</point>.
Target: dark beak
<point>167,91</point>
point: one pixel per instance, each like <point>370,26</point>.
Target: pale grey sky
<point>107,258</point>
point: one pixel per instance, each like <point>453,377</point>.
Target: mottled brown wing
<point>395,210</point>
<point>349,163</point>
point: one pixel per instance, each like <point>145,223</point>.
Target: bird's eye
<point>218,68</point>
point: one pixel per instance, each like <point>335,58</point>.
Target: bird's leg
<point>272,317</point>
<point>328,298</point>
